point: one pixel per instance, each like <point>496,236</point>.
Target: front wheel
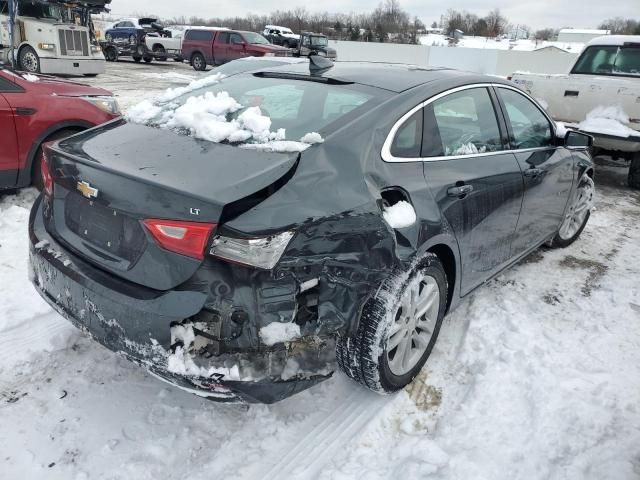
<point>111,54</point>
<point>137,59</point>
<point>160,53</point>
<point>29,60</point>
<point>577,214</point>
<point>398,329</point>
<point>634,172</point>
<point>148,59</point>
<point>198,62</point>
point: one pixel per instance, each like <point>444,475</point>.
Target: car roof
<point>393,77</point>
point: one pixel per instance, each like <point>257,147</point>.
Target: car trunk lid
<point>109,180</point>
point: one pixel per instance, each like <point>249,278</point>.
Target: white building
<point>576,35</point>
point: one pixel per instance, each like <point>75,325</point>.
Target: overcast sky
<point>535,13</point>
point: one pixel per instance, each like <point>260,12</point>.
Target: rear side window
<point>408,140</point>
<point>529,126</point>
<point>467,123</point>
<point>235,38</point>
<point>199,35</point>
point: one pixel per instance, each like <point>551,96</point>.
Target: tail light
<point>185,238</point>
<point>47,179</point>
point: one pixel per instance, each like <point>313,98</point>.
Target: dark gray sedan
<point>239,264</point>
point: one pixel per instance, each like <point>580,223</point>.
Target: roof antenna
<point>318,63</point>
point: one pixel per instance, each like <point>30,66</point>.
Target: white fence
<point>487,61</point>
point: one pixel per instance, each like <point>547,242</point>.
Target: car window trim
<point>507,120</point>
<point>386,148</point>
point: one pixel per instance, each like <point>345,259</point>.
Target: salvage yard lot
<point>534,376</point>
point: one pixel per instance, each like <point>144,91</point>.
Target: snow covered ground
<point>438,40</point>
<point>535,376</point>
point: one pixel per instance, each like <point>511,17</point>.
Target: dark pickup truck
<point>204,47</point>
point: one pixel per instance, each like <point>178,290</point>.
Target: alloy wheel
<point>415,321</point>
<point>578,210</point>
<point>30,62</point>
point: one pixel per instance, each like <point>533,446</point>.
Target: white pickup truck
<point>165,44</point>
<point>600,96</point>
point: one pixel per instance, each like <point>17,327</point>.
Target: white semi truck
<point>46,40</point>
<point>600,96</point>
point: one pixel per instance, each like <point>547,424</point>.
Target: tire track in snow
<point>314,449</point>
<point>34,334</point>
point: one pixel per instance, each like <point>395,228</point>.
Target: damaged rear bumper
<point>136,322</point>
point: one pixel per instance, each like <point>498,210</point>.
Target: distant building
<point>568,35</point>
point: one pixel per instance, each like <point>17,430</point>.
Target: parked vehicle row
<point>254,287</point>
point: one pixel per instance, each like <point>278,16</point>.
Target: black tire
<point>634,172</point>
<point>36,173</point>
<point>363,356</point>
<point>137,59</point>
<point>111,54</point>
<point>148,59</point>
<point>198,62</point>
<point>28,60</point>
<point>178,59</point>
<point>160,53</point>
<point>560,242</point>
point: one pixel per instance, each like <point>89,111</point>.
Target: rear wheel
<point>148,59</point>
<point>578,213</point>
<point>137,59</point>
<point>29,60</point>
<point>398,329</point>
<point>634,172</point>
<point>36,168</point>
<point>160,52</point>
<point>198,62</point>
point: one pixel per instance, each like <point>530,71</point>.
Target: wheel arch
<point>24,177</point>
<point>450,264</point>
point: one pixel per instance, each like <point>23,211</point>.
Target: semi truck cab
<point>45,42</point>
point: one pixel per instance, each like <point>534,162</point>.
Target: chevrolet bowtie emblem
<point>87,190</point>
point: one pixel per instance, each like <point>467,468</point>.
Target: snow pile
<point>173,93</point>
<point>30,78</point>
<point>400,215</point>
<point>278,332</point>
<point>210,117</point>
<point>181,360</point>
<point>608,121</point>
<point>561,129</point>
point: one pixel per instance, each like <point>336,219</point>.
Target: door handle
<point>460,190</point>
<point>533,172</point>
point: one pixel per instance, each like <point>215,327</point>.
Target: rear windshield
<point>199,35</point>
<point>281,108</point>
<point>609,60</point>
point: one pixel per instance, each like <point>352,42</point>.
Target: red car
<point>38,109</point>
<point>204,47</point>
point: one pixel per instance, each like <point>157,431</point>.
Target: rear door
<point>221,48</point>
<point>475,180</point>
<point>9,159</point>
<point>548,170</point>
<point>237,47</point>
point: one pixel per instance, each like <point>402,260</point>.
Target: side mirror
<point>577,140</point>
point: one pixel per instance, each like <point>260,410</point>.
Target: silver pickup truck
<point>600,96</point>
